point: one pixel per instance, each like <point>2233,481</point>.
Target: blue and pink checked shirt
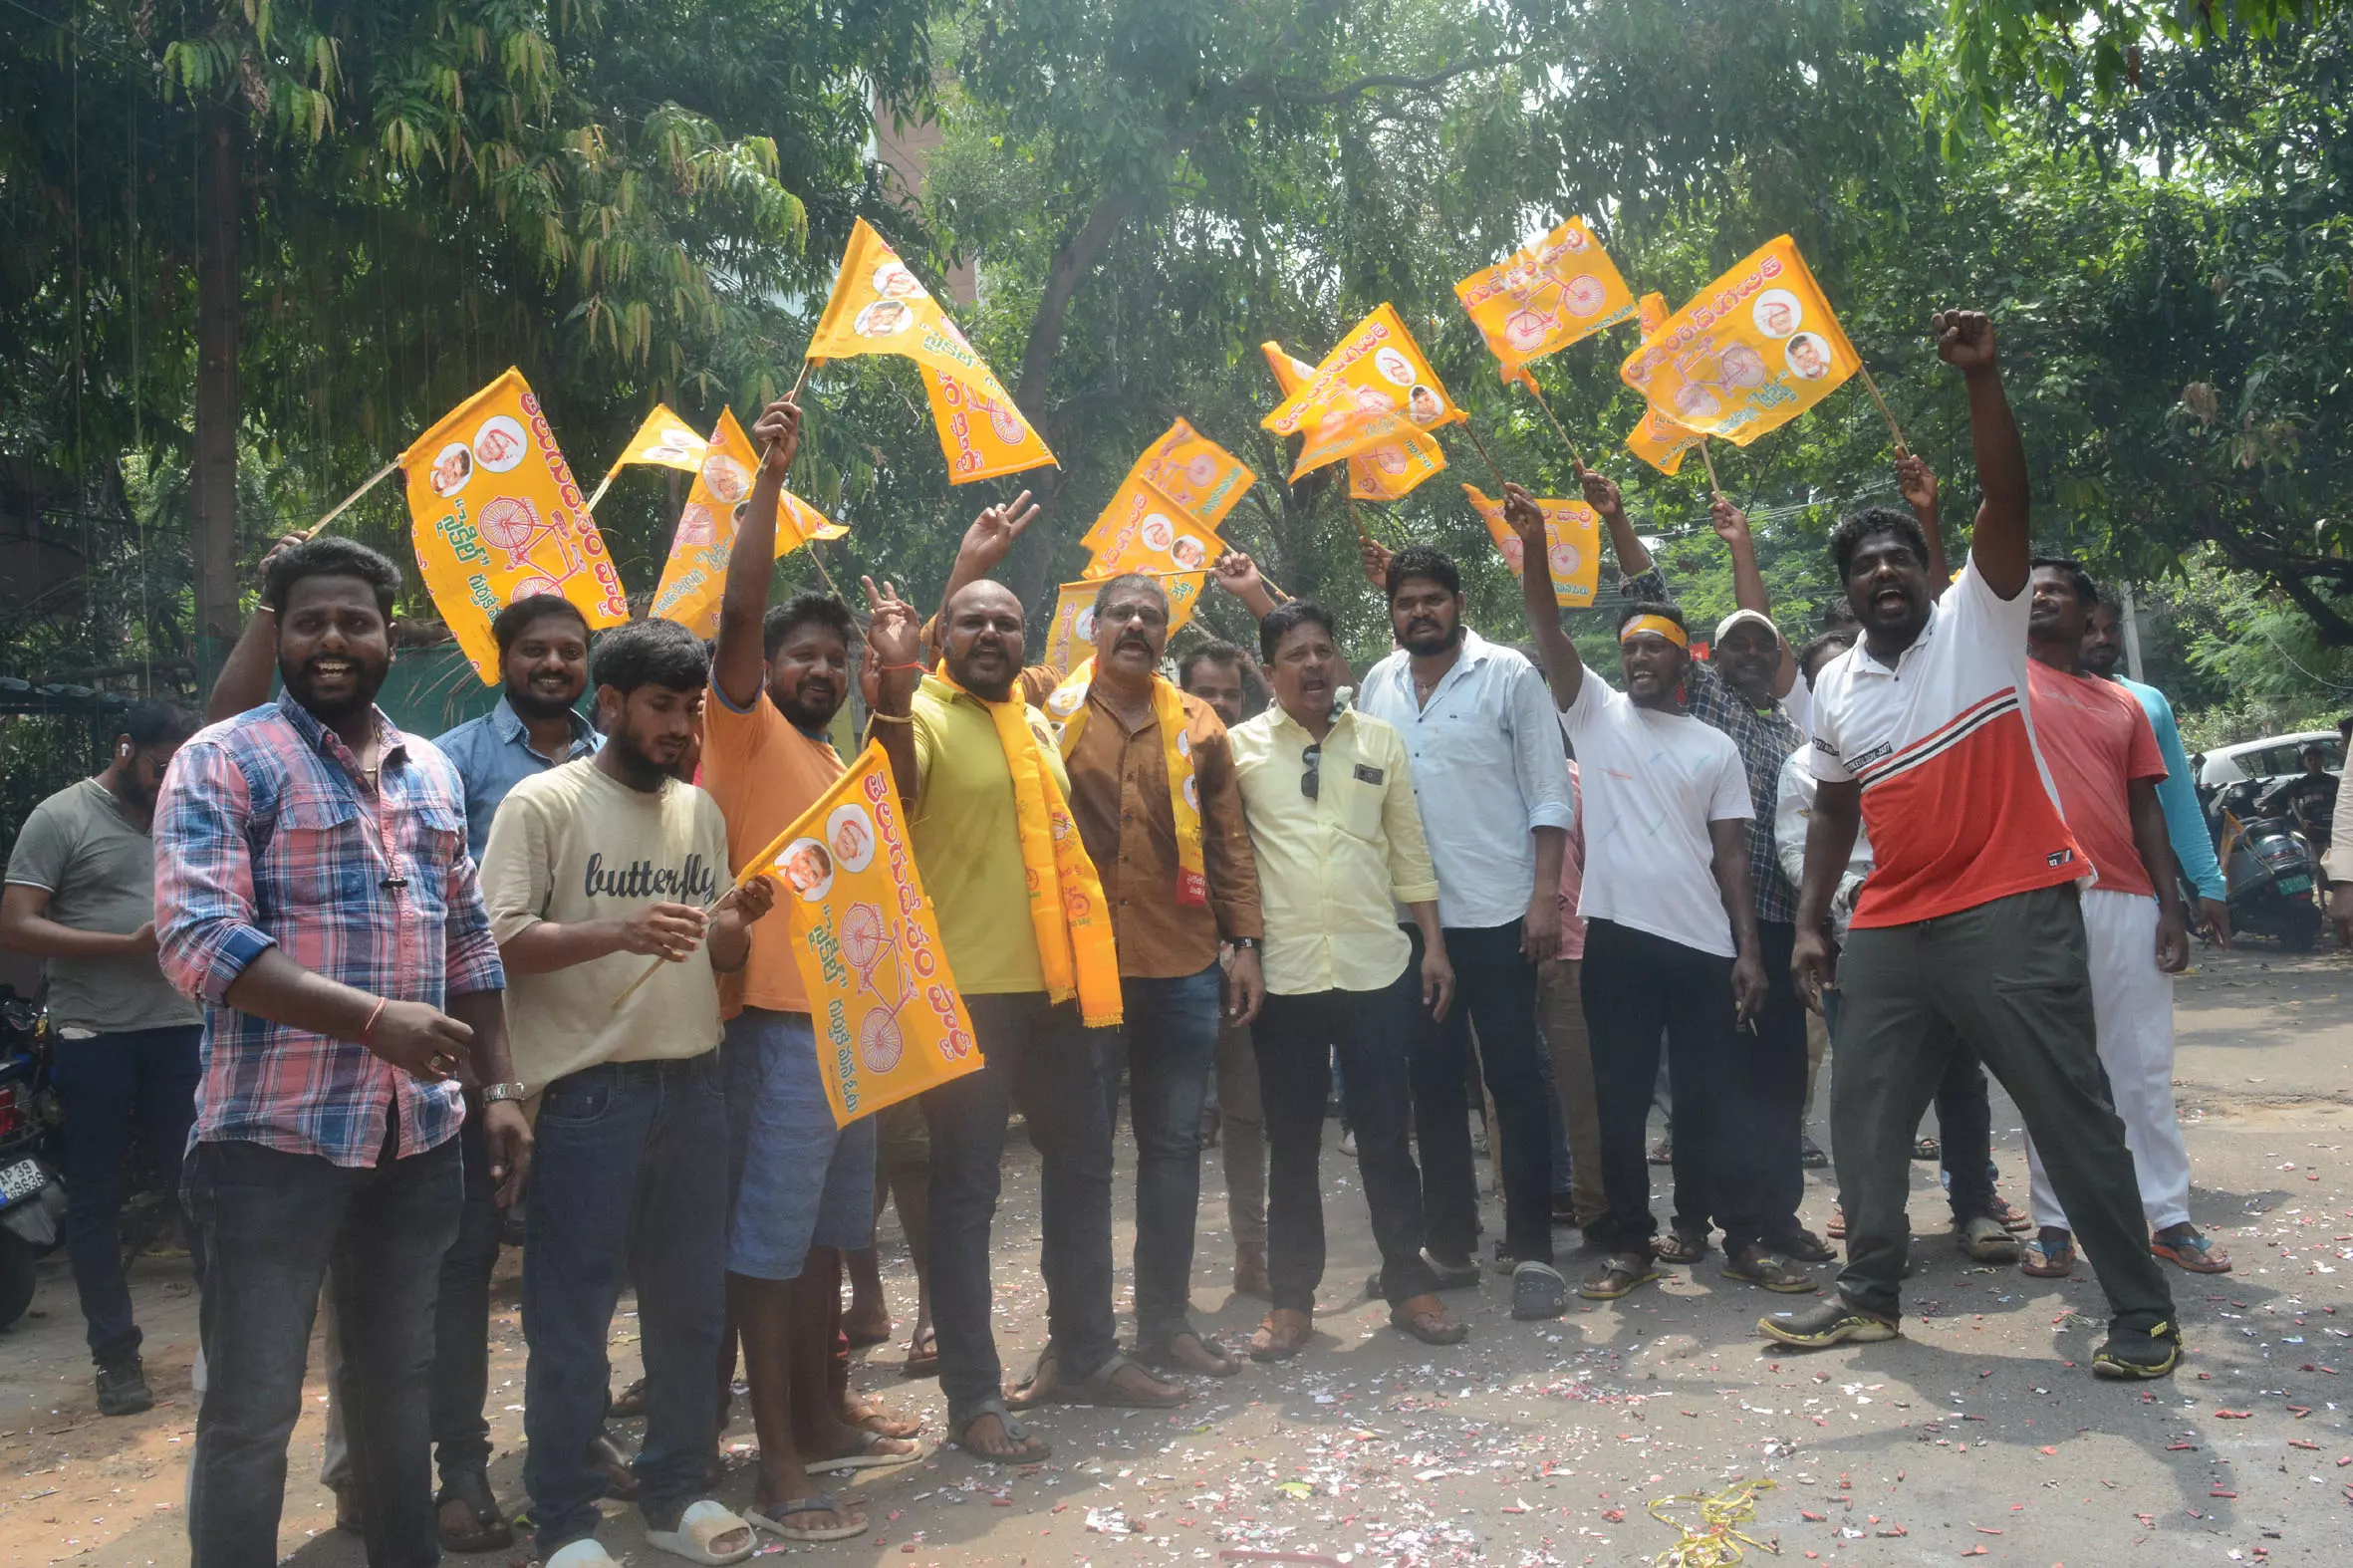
<point>266,834</point>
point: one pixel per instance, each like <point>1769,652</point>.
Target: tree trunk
<point>213,539</point>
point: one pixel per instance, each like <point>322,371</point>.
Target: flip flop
<point>823,1502</point>
<point>923,1356</point>
<point>582,1553</point>
<point>1928,1148</point>
<point>488,1531</point>
<point>704,1523</point>
<point>866,1459</point>
<point>1031,1450</point>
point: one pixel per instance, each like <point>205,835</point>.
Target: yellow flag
<point>1380,473</point>
<point>1371,391</point>
<point>1194,472</point>
<point>696,573</point>
<point>1660,442</point>
<point>664,439</point>
<point>1070,634</point>
<point>1145,530</point>
<point>890,1023</point>
<point>1543,296</point>
<point>878,307</point>
<point>495,517</point>
<point>1755,350</point>
<point>1572,544</point>
<point>1652,310</point>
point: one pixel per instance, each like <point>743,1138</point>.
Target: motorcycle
<point>2267,868</point>
<point>32,1200</point>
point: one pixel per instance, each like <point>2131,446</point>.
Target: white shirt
<point>1653,783</point>
<point>1487,769</point>
<point>1791,810</point>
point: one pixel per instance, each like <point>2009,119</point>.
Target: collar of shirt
<point>392,744</point>
<point>1396,671</point>
<point>1866,664</point>
<point>509,725</point>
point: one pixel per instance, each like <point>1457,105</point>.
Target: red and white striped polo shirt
<point>1959,805</point>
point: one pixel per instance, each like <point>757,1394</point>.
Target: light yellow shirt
<point>1329,868</point>
<point>968,841</point>
<point>572,846</point>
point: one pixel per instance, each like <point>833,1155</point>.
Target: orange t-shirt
<point>2095,740</point>
<point>764,773</point>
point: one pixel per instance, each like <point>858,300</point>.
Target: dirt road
<point>1980,1435</point>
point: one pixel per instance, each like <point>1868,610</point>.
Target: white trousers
<point>2133,1008</point>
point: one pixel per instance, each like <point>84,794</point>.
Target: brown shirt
<point>1119,793</point>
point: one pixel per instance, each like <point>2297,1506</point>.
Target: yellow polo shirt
<point>967,842</point>
<point>1329,867</point>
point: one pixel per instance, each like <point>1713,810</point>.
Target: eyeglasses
<point>1311,782</point>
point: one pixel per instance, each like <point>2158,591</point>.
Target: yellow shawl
<point>1067,707</point>
<point>1066,905</point>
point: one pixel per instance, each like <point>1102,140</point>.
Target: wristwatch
<point>1242,944</point>
<point>492,1093</point>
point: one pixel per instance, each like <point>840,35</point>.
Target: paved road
<point>1971,1436</point>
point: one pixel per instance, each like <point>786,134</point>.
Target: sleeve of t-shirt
<point>1593,696</point>
<point>1792,806</point>
<point>42,850</point>
<point>926,747</point>
<point>1822,755</point>
<point>1732,801</point>
<point>735,733</point>
<point>515,874</point>
<point>2143,759</point>
<point>1978,612</point>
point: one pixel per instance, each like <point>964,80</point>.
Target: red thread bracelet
<point>369,1027</point>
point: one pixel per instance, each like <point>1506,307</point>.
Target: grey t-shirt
<point>98,869</point>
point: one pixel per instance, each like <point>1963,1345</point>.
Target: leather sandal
<point>1427,1319</point>
<point>1284,1334</point>
<point>1187,1351</point>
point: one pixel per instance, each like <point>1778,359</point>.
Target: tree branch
<point>1262,90</point>
<point>2291,573</point>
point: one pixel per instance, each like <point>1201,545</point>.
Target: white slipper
<point>867,1458</point>
<point>704,1523</point>
<point>582,1553</point>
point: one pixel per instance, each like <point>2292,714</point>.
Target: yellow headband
<point>1659,624</point>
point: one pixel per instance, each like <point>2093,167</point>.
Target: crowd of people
<point>381,990</point>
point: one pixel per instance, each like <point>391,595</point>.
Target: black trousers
<point>1495,988</point>
<point>1776,1058</point>
<point>1295,1037</point>
<point>1637,987</point>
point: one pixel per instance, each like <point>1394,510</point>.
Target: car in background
<point>2274,758</point>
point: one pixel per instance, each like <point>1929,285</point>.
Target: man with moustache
<point>2185,819</point>
<point>1970,925</point>
<point>1339,842</point>
<point>313,887</point>
<point>1217,672</point>
<point>1671,942</point>
<point>2105,763</point>
<point>802,1188</point>
<point>592,868</point>
<point>1027,932</point>
<point>1493,787</point>
<point>81,896</point>
<point>1152,789</point>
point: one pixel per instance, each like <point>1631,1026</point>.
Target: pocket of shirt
<point>316,844</point>
<point>1360,806</point>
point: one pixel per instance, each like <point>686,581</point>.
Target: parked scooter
<point>32,1200</point>
<point>2268,870</point>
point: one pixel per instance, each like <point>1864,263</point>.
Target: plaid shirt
<point>1765,741</point>
<point>266,835</point>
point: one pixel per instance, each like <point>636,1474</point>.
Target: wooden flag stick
<point>345,504</point>
<point>1872,388</point>
<point>1361,536</point>
<point>759,866</point>
<point>818,561</point>
<point>1711,464</point>
<point>602,489</point>
<point>1537,393</point>
<point>1482,451</point>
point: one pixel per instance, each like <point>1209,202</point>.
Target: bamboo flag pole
<point>1361,536</point>
<point>1529,382</point>
<point>344,505</point>
<point>1711,464</point>
<point>1482,451</point>
<point>759,866</point>
<point>1872,388</point>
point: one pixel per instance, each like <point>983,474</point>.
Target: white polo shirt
<point>1959,805</point>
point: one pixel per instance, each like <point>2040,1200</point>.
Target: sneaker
<point>1756,1266</point>
<point>2139,1352</point>
<point>123,1389</point>
<point>1984,1239</point>
<point>1832,1321</point>
<point>2187,1247</point>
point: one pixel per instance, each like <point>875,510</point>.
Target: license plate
<point>21,1181</point>
<point>2296,885</point>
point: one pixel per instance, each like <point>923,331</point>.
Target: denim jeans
<point>628,1181</point>
<point>1296,1038</point>
<point>1172,1040</point>
<point>275,1226</point>
<point>461,1334</point>
<point>1038,1056</point>
<point>110,1087</point>
<point>1495,988</point>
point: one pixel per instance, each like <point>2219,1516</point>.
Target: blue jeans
<point>628,1181</point>
<point>110,1087</point>
<point>275,1226</point>
<point>794,1179</point>
<point>1039,1056</point>
<point>1171,1046</point>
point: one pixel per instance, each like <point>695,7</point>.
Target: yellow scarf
<point>1066,905</point>
<point>1067,707</point>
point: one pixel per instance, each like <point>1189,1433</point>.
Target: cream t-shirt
<point>571,846</point>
